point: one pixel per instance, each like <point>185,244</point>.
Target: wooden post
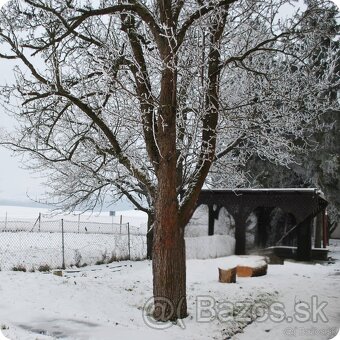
<point>318,230</point>
<point>62,243</point>
<point>262,224</point>
<point>211,220</point>
<point>128,230</point>
<point>240,235</point>
<point>325,230</point>
<point>304,240</point>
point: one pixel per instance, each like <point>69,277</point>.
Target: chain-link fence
<point>48,244</point>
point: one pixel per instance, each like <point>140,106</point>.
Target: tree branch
<point>230,147</point>
<point>198,15</point>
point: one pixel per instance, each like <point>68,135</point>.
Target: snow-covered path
<point>106,302</point>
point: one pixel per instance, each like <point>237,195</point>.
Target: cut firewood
<point>274,259</point>
<point>246,271</point>
<point>57,272</point>
<point>227,275</point>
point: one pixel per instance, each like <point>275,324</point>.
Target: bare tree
<point>141,98</point>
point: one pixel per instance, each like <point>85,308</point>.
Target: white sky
<point>16,183</point>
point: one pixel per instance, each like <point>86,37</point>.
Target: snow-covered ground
<point>34,249</point>
<point>106,302</point>
<point>29,242</point>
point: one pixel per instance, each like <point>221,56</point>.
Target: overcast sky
<point>19,186</point>
<point>16,184</point>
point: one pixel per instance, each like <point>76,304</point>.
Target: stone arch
<point>224,223</point>
<point>199,222</point>
<point>283,228</point>
<point>251,232</point>
<point>274,225</point>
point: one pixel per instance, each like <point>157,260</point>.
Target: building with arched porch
<point>300,205</point>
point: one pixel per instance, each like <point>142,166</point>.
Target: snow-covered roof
<point>279,190</point>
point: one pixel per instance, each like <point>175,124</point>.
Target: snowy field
<point>29,242</point>
<point>32,250</point>
<point>106,302</point>
<point>17,213</point>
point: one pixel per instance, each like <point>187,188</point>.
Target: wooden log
<point>57,272</point>
<point>227,275</point>
<point>274,259</point>
<point>246,271</point>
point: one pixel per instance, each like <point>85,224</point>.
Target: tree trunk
<point>168,260</point>
<point>149,236</point>
<point>169,268</point>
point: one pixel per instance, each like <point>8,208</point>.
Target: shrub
<point>77,258</point>
<point>100,262</point>
<point>113,258</point>
<point>44,268</point>
<point>103,259</point>
<point>19,268</point>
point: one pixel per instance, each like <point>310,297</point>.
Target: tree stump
<point>246,271</point>
<point>227,275</point>
<point>57,272</point>
<point>274,259</point>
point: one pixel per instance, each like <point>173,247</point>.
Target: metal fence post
<point>128,230</point>
<point>62,243</point>
<point>39,222</point>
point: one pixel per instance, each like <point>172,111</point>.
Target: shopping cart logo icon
<point>337,337</point>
